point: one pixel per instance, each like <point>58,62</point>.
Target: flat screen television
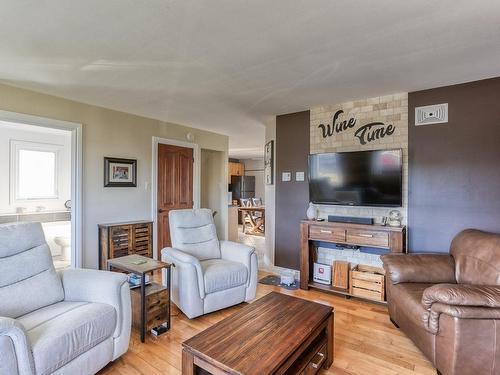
<point>360,178</point>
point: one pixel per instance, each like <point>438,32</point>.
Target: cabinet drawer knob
<point>366,235</point>
<point>325,231</point>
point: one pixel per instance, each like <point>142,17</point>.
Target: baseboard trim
<point>280,270</point>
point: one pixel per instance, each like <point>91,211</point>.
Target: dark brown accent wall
<point>454,168</point>
<point>292,150</point>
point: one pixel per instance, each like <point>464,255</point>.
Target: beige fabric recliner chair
<point>72,322</point>
<point>208,274</point>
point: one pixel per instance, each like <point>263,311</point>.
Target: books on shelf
<point>135,280</point>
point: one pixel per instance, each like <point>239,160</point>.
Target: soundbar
<point>350,219</point>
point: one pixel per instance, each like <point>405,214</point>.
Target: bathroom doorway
<point>41,160</point>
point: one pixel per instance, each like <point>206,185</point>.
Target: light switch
<point>299,176</point>
<point>286,176</point>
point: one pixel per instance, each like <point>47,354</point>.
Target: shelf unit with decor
<point>378,236</point>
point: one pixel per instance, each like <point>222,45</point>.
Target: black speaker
<point>349,219</point>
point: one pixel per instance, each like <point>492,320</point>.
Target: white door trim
<point>154,190</point>
<point>76,173</point>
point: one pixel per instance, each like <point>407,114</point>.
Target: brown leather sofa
<point>449,304</point>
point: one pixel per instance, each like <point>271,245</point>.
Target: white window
<point>33,171</point>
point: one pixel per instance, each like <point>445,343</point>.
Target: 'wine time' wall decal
<point>374,123</point>
<point>366,133</point>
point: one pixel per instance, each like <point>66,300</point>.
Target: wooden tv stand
<point>378,236</point>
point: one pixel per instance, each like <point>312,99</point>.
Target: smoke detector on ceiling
<point>431,114</point>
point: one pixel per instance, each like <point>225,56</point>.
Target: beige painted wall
<point>213,193</point>
<point>109,133</point>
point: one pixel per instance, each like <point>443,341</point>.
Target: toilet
<point>65,244</point>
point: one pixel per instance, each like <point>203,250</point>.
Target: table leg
<point>143,306</point>
<point>188,367</point>
<point>329,341</point>
<point>169,280</point>
<point>253,224</point>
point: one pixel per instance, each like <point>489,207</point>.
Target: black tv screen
<point>361,178</point>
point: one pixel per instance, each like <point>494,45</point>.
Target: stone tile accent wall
<point>389,109</point>
<point>327,256</point>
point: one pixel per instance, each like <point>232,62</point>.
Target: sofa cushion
<point>409,297</point>
<point>222,274</point>
<point>194,232</point>
<point>28,279</point>
<point>477,257</point>
<point>61,332</point>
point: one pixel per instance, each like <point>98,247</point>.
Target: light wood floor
<point>365,341</point>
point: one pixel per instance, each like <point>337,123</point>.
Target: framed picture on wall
<point>120,172</point>
<point>269,163</point>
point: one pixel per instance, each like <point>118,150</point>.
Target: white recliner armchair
<point>208,274</point>
<point>72,322</point>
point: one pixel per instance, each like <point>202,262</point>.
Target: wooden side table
<point>140,266</point>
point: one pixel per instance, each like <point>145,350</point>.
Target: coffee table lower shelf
<point>312,360</point>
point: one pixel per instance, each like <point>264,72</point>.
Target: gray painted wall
<point>292,198</point>
<point>454,168</point>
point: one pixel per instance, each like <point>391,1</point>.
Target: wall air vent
<point>431,114</point>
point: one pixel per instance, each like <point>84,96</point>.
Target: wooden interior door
<point>175,186</point>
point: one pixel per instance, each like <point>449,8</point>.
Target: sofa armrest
<point>15,348</point>
<point>431,317</point>
<point>102,287</point>
<point>237,252</point>
<point>187,263</point>
<point>462,295</point>
<point>419,268</point>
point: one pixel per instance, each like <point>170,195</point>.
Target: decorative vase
<point>311,212</point>
<point>395,218</point>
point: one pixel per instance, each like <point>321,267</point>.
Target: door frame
<point>154,190</point>
<point>76,173</point>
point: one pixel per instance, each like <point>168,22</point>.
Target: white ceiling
<point>227,65</point>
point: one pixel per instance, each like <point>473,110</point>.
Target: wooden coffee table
<point>274,335</point>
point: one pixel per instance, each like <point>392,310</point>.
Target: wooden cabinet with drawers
<point>363,237</point>
<point>377,236</point>
<point>120,239</point>
<point>323,233</point>
<point>157,305</point>
<point>386,237</point>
